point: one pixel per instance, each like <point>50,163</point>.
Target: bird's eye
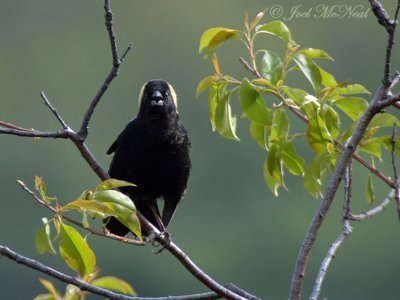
<point>166,94</point>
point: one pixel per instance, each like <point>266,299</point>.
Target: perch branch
<point>170,246</point>
<point>78,138</point>
<point>35,265</point>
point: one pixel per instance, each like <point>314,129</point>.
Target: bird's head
<point>157,97</point>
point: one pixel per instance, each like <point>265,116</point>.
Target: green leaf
<point>279,128</point>
<point>75,251</point>
<point>225,122</point>
<point>348,89</point>
<point>127,217</point>
<point>45,297</point>
<point>345,136</point>
<point>114,197</point>
<point>313,176</point>
<point>269,179</point>
<point>310,106</point>
<point>383,120</point>
<point>327,79</point>
<point>276,28</point>
<point>315,53</point>
<point>50,288</point>
<point>271,66</point>
<point>115,284</point>
<point>43,240</point>
<point>213,37</point>
<point>274,164</point>
<point>309,69</point>
<point>369,193</point>
<point>332,121</point>
<point>118,205</point>
<point>386,142</point>
<point>263,81</point>
<point>72,293</point>
<point>213,98</point>
<point>96,209</point>
<point>291,160</point>
<point>257,132</point>
<point>318,135</point>
<point>351,106</point>
<point>372,147</point>
<point>317,76</point>
<point>205,83</point>
<point>111,183</point>
<point>40,186</point>
<point>253,104</point>
<point>296,95</point>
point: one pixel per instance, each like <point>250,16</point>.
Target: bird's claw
<point>165,237</point>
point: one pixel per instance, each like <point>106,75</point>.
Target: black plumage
<point>153,153</point>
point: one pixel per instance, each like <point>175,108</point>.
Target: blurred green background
<point>229,223</point>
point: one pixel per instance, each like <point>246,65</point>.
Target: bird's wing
<point>112,148</point>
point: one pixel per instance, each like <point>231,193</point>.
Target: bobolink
<point>153,153</point>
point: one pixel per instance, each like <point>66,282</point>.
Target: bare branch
<point>83,131</point>
<point>378,102</point>
<point>329,194</point>
<point>381,14</point>
<point>346,231</point>
<point>249,68</point>
<point>33,264</point>
<point>374,170</point>
<point>396,187</point>
<point>390,26</point>
<point>109,25</point>
<point>64,134</point>
<point>374,211</point>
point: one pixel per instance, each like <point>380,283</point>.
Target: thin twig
<point>79,224</point>
<point>33,264</point>
<point>126,52</point>
<point>12,126</point>
<point>83,131</point>
<point>53,110</point>
<point>249,68</point>
<point>374,211</point>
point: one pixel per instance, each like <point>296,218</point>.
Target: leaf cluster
<point>100,203</point>
<point>271,104</point>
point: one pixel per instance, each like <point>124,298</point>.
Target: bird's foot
<point>165,239</point>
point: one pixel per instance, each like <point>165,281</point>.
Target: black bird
<point>153,153</point>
